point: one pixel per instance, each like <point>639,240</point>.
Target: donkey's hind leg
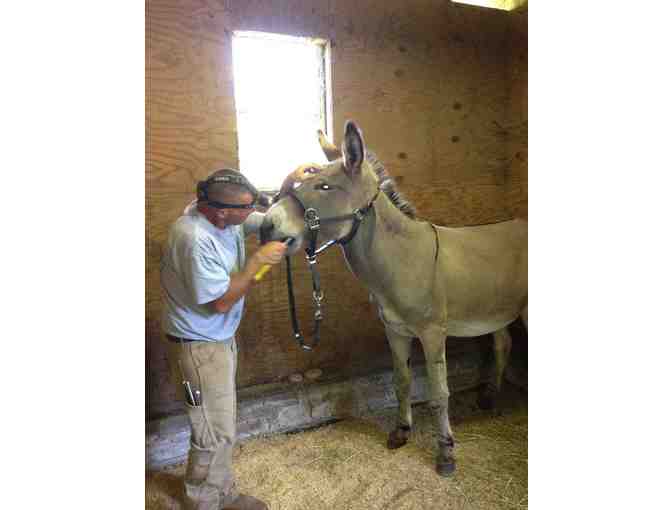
<point>502,350</point>
<point>401,354</point>
<point>434,345</point>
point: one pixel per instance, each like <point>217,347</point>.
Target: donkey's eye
<point>323,186</point>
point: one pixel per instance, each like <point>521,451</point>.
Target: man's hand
<point>270,253</point>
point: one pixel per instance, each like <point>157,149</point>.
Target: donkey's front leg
<point>434,345</point>
<point>401,354</point>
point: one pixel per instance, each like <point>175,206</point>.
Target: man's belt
<point>180,339</point>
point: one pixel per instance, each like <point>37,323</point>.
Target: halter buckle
<point>312,219</point>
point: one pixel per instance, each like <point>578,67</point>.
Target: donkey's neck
<point>385,238</point>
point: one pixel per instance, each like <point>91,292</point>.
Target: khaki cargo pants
<point>210,367</point>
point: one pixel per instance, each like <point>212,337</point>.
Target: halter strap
<point>313,222</point>
<point>359,215</point>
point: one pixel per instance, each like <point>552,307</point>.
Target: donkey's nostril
<point>265,230</point>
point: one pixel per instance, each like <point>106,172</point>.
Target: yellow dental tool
<point>267,267</point>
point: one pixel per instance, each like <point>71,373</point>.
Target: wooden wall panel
<point>517,129</point>
<point>429,82</point>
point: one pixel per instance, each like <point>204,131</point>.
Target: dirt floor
<point>346,466</point>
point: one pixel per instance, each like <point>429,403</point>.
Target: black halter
<point>313,223</point>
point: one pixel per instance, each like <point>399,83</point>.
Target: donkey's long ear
<point>353,148</point>
<point>329,149</point>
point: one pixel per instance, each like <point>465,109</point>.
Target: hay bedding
<point>346,466</point>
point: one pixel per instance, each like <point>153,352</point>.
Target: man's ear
<point>353,149</point>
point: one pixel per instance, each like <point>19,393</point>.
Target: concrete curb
<point>303,405</point>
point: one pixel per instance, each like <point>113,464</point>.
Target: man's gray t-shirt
<point>195,270</point>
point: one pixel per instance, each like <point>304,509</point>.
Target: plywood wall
<point>436,88</point>
<point>517,127</point>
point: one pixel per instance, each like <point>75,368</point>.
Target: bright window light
<point>282,99</point>
<point>505,5</point>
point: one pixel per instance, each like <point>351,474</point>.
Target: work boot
<point>243,502</point>
<point>208,477</point>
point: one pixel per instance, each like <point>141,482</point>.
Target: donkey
<point>428,281</point>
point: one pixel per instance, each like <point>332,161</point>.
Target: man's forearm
<point>238,286</point>
<point>271,253</point>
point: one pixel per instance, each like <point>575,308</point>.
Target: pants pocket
<point>199,427</point>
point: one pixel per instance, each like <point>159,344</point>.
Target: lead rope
<point>313,223</point>
<point>298,336</point>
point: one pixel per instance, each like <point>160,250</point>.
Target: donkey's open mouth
<point>279,225</point>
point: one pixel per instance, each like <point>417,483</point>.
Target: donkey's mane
<point>389,186</point>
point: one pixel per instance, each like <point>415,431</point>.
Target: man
<point>204,278</point>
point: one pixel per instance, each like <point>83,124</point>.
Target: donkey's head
<point>338,188</point>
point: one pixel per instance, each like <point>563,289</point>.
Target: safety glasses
<point>221,205</point>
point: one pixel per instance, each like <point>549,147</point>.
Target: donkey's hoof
<point>445,466</point>
<point>486,402</point>
<point>487,398</point>
<point>398,437</point>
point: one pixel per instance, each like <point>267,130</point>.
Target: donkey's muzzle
<point>265,230</point>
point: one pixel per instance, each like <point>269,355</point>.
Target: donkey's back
<point>482,276</point>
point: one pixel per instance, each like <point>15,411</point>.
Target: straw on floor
<point>346,466</point>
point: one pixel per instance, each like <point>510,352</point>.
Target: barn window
<point>505,5</point>
<point>283,97</point>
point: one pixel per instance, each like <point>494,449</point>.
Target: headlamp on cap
<point>231,177</point>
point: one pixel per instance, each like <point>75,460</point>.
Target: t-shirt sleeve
<point>208,277</point>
